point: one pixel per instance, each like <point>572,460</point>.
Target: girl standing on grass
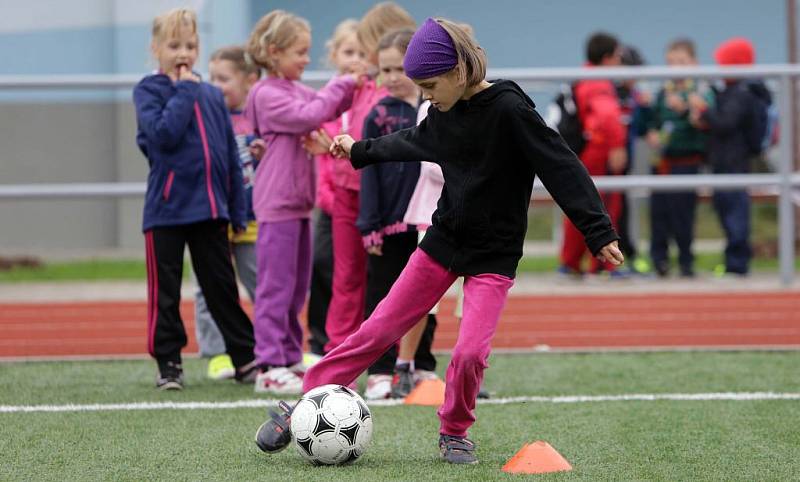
<point>232,72</point>
<point>490,143</point>
<point>194,189</point>
<point>283,112</point>
<point>386,190</point>
<point>346,311</point>
<point>346,55</point>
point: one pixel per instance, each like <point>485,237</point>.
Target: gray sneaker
<point>275,434</point>
<point>403,381</point>
<point>457,450</point>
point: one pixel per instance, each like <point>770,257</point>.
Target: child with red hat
<point>733,123</point>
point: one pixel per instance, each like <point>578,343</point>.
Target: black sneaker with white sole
<point>457,450</point>
<point>170,376</point>
<point>402,381</point>
<point>275,434</point>
<point>247,374</point>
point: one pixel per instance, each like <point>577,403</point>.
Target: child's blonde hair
<point>380,19</point>
<point>278,28</point>
<point>472,60</point>
<point>168,24</point>
<point>240,59</point>
<point>346,27</point>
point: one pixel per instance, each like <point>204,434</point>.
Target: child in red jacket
<point>604,130</point>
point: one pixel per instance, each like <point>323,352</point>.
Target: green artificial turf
<point>634,440</point>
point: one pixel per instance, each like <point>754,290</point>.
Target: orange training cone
<point>427,392</point>
<point>536,458</point>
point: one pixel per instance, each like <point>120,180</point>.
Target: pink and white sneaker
<point>299,369</point>
<point>379,387</point>
<point>279,381</point>
<point>422,375</point>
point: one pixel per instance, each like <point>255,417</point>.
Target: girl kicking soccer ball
<point>490,143</point>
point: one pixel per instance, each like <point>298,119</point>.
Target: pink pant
<point>346,309</point>
<point>407,302</point>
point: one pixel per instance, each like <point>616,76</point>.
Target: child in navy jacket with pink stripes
<point>194,189</point>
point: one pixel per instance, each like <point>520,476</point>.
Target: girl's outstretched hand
<point>341,146</point>
<point>611,253</point>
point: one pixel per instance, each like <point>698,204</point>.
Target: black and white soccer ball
<point>331,425</point>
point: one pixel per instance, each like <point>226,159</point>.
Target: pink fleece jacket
<point>364,99</point>
<point>325,163</point>
<point>282,111</point>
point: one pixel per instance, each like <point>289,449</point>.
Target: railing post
<point>785,207</point>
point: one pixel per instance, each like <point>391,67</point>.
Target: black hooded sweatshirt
<point>490,148</point>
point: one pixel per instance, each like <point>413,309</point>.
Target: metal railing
<point>783,181</point>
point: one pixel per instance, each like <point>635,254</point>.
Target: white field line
<point>264,403</point>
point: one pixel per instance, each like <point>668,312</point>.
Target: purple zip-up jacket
<point>283,111</point>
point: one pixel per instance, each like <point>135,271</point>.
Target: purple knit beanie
<point>430,53</point>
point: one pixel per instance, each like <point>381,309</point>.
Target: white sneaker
<point>280,381</point>
<point>379,387</point>
<point>422,375</point>
<point>299,369</point>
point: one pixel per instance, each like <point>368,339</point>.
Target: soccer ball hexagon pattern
<point>331,425</point>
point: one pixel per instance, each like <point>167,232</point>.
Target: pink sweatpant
<point>421,284</point>
<point>346,309</point>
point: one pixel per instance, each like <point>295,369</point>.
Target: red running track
<point>770,320</point>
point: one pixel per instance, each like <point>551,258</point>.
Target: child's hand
<point>257,148</point>
<point>317,142</point>
<point>185,73</point>
<point>611,254</point>
<point>653,139</point>
<point>341,146</point>
<point>696,102</point>
<point>375,250</point>
<point>676,103</point>
<point>696,119</point>
<point>359,77</point>
<point>617,160</point>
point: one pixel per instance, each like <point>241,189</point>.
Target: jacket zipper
<point>168,185</point>
<point>204,140</point>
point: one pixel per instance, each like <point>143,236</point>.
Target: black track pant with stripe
<point>211,259</point>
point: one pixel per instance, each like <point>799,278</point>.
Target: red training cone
<point>427,392</point>
<point>536,458</point>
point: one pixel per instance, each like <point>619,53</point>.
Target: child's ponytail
<point>278,28</point>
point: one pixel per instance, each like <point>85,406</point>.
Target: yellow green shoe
<point>641,266</point>
<point>220,367</point>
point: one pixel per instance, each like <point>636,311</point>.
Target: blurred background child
<point>283,112</point>
<point>634,106</point>
<point>681,149</point>
<point>233,74</point>
<point>604,153</point>
<point>182,120</point>
<point>346,310</point>
<point>347,57</point>
<point>737,125</point>
<point>385,193</point>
